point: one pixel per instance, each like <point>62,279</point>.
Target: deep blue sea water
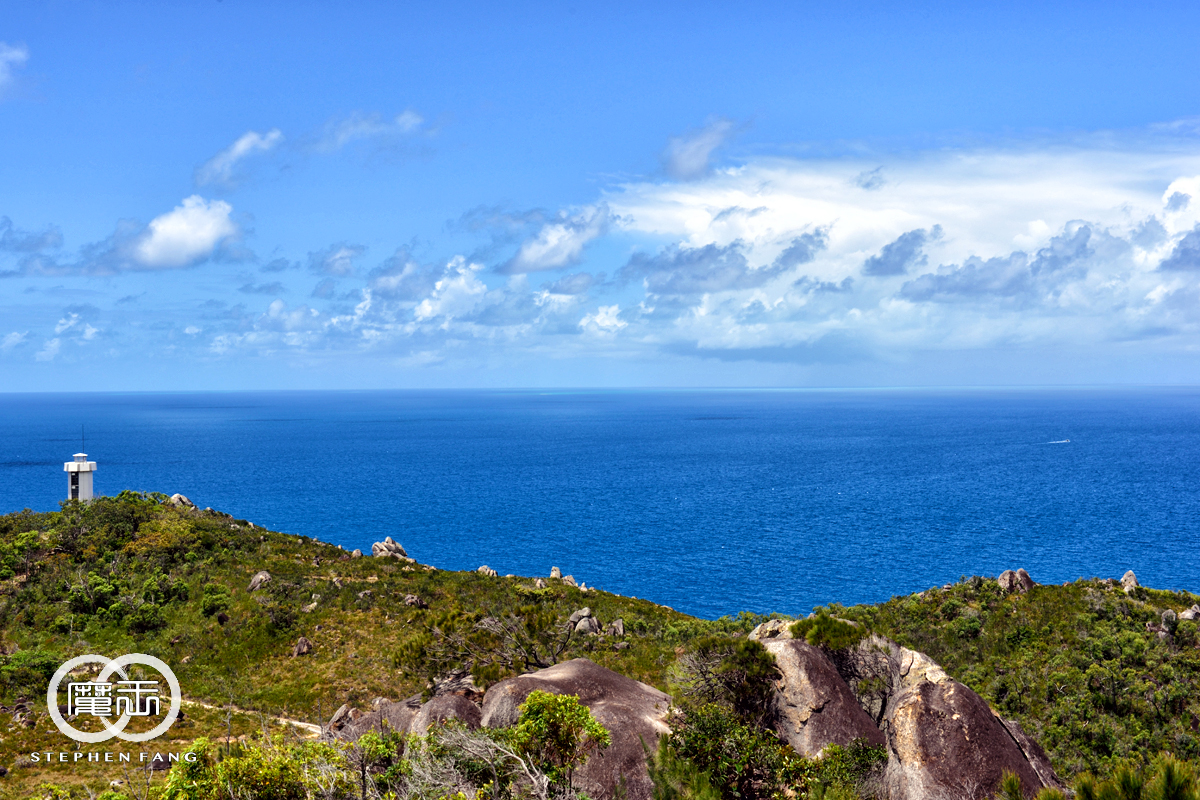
<point>710,502</point>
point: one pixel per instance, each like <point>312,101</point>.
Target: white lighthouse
<point>79,477</point>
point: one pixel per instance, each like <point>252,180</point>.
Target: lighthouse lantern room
<point>79,477</point>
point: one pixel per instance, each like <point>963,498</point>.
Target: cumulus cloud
<point>221,168</point>
<point>336,260</point>
<point>803,249</point>
<point>13,240</point>
<point>604,321</point>
<point>401,278</point>
<point>687,157</point>
<point>12,56</point>
<point>1186,255</point>
<point>871,179</point>
<point>1012,275</point>
<point>11,340</point>
<point>559,243</point>
<point>898,257</point>
<point>49,350</point>
<point>576,283</point>
<point>185,235</point>
<point>690,271</point>
<point>455,295</point>
<point>275,287</point>
<point>360,126</point>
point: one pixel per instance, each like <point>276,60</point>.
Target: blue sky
<point>230,195</point>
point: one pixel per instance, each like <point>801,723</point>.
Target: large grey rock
<point>1190,613</point>
<point>341,718</point>
<point>1129,581</point>
<point>386,716</point>
<point>259,580</point>
<point>943,739</point>
<point>487,571</point>
<point>814,707</point>
<point>181,501</point>
<point>302,647</point>
<point>632,712</point>
<point>1015,581</point>
<point>555,573</point>
<point>444,707</point>
<point>388,548</point>
<point>580,614</point>
<point>772,629</point>
<point>588,626</point>
<point>1025,581</point>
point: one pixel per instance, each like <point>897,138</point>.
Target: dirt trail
<point>308,727</point>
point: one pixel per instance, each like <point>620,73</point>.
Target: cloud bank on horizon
<point>753,266</point>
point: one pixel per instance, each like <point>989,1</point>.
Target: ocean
<point>711,502</point>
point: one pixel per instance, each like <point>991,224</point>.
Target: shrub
<point>742,762</point>
<point>214,600</point>
<point>828,632</point>
<point>146,618</point>
<point>738,674</point>
<point>559,732</point>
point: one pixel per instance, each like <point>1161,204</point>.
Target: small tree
<point>559,733</point>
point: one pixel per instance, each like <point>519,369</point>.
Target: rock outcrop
<point>180,501</point>
<point>943,739</point>
<point>387,715</point>
<point>1129,581</point>
<point>302,647</point>
<point>1018,581</point>
<point>813,705</point>
<point>1190,613</point>
<point>259,580</point>
<point>388,549</point>
<point>487,571</point>
<point>631,711</point>
<point>444,707</point>
<point>772,629</point>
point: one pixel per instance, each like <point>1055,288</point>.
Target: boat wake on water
<point>1060,441</point>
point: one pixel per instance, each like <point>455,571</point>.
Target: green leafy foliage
<point>737,674</point>
<point>1091,673</point>
<point>742,762</point>
<point>559,733</point>
<point>828,632</point>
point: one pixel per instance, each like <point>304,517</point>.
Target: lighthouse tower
<point>79,475</point>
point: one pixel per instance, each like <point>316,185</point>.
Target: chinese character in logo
<point>90,698</point>
<point>123,698</point>
<point>133,706</point>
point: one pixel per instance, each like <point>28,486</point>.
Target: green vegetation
<point>1107,682</point>
<point>1091,673</point>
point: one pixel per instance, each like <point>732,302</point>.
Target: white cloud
<point>186,234</point>
<point>49,350</point>
<point>11,57</point>
<point>455,295</point>
<point>337,259</point>
<point>359,126</point>
<point>687,157</point>
<point>604,320</point>
<point>560,243</point>
<point>221,167</point>
<point>66,323</point>
<point>12,340</point>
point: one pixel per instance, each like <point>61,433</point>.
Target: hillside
<point>1093,673</point>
